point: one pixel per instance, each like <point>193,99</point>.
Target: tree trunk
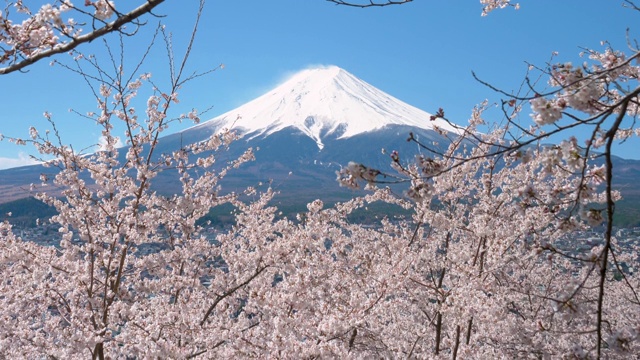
<point>438,332</point>
<point>98,352</point>
<point>457,343</point>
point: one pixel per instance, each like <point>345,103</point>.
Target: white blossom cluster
<point>490,5</point>
<point>592,88</point>
<point>579,92</point>
<point>546,112</point>
<point>350,175</point>
<point>37,32</point>
<point>40,30</point>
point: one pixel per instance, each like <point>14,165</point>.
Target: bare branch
<point>370,3</point>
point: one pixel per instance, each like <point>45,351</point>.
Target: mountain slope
<point>323,102</point>
<point>305,130</point>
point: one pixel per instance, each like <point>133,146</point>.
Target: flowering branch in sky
<point>47,31</point>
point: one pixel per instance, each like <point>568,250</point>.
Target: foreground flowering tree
<point>489,268</point>
<point>486,266</point>
<point>502,207</point>
<point>102,293</point>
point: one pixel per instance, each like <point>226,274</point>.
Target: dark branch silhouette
<point>370,3</point>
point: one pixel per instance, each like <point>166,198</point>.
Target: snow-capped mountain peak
<point>320,102</point>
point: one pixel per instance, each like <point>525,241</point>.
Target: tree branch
<point>110,27</point>
<point>258,271</point>
<point>371,3</point>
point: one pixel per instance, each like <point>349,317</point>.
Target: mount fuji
<point>311,125</point>
<point>303,131</point>
<point>320,103</point>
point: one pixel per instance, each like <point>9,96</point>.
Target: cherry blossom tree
<point>133,275</point>
<point>485,267</point>
<point>531,199</point>
<point>493,267</point>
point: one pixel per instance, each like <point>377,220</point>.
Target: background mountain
<point>303,131</point>
<point>321,103</point>
<point>311,125</point>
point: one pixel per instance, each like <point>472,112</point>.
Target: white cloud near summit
<point>22,160</point>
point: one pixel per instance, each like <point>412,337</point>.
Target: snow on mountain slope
<point>321,102</point>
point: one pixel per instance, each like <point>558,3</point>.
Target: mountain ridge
<point>307,128</point>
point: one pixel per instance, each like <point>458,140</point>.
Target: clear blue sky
<point>422,53</point>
